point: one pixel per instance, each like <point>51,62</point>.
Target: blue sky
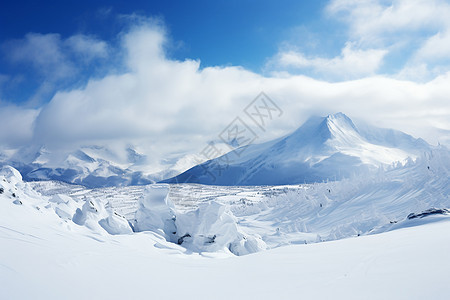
<point>243,33</point>
<point>171,75</point>
<point>219,32</point>
<point>300,37</point>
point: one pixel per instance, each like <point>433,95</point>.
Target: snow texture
<point>379,236</point>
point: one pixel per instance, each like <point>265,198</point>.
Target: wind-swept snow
<point>156,212</point>
<point>42,258</point>
<point>211,227</point>
<point>279,215</point>
<point>380,236</point>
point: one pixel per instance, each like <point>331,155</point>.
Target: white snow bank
<point>13,188</point>
<point>49,262</point>
<point>63,205</point>
<point>10,174</point>
<point>156,212</point>
<point>209,228</point>
<point>96,215</point>
<point>60,198</point>
<point>115,224</point>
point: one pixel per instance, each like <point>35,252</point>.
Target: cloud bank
<point>413,36</point>
<point>172,107</point>
<point>351,63</point>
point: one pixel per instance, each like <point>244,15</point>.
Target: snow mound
<point>60,198</point>
<point>156,212</point>
<point>96,216</point>
<point>64,206</point>
<point>10,174</point>
<point>210,228</point>
<point>115,224</point>
<point>13,188</point>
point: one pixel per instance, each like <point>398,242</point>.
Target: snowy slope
<point>379,236</point>
<point>325,148</point>
<point>66,242</point>
<point>292,214</point>
<point>411,263</point>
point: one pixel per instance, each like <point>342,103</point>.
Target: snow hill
<point>323,148</point>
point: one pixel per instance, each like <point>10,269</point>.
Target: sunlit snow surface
<point>67,242</point>
<point>295,214</point>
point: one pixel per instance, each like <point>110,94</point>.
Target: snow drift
<point>210,228</point>
<point>156,212</point>
<point>94,214</point>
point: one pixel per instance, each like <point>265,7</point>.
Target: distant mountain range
<point>92,166</point>
<point>323,148</point>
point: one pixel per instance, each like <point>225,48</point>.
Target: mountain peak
<point>337,115</point>
<point>333,126</point>
<point>322,148</point>
<point>340,120</point>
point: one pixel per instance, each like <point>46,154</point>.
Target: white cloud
<point>44,52</point>
<point>53,62</point>
<point>53,57</point>
<point>154,98</point>
<point>436,48</point>
<point>172,107</point>
<point>16,124</point>
<point>87,46</point>
<point>351,63</point>
<point>417,31</point>
<point>162,99</point>
<point>373,20</point>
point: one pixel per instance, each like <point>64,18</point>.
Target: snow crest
<point>209,228</point>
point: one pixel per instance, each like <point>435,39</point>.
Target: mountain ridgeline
<point>323,148</point>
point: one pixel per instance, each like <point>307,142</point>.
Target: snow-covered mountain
<point>95,165</point>
<point>92,166</point>
<point>323,148</point>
